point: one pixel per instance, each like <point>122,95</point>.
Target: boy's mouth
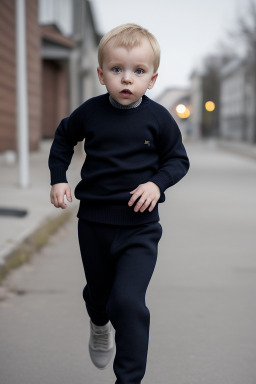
<point>126,92</point>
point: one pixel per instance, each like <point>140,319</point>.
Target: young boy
<point>134,152</point>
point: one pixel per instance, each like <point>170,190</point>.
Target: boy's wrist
<point>58,175</point>
<point>150,181</point>
<point>155,180</point>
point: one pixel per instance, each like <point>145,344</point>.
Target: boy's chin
<point>126,100</point>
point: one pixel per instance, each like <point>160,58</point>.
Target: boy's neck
<point>120,106</point>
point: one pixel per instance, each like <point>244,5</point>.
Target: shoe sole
<point>106,366</point>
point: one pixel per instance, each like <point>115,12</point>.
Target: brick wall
<point>55,103</point>
<point>8,137</point>
<point>7,75</point>
<point>33,73</point>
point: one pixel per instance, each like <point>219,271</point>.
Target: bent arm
<point>174,162</point>
<point>67,135</point>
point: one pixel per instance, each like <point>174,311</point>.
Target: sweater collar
<point>120,106</point>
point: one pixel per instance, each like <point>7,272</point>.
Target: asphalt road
<point>202,296</point>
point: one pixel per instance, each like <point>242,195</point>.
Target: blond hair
<point>129,36</point>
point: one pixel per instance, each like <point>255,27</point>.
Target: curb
<point>36,240</point>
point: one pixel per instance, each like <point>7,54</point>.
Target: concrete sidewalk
<point>21,236</point>
<point>239,148</point>
<point>201,297</point>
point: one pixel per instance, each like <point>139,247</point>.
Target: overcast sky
<point>186,29</point>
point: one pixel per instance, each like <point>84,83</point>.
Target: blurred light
<point>209,106</point>
<point>180,108</point>
<point>182,111</point>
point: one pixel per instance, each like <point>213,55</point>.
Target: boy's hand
<point>58,192</point>
<point>150,194</point>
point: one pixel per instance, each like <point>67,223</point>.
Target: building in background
<point>8,87</point>
<point>205,96</point>
<point>232,101</point>
<point>170,99</point>
<point>228,83</point>
<point>250,102</point>
<point>211,95</point>
<point>197,120</point>
<point>196,102</point>
<point>237,102</point>
<point>62,42</point>
<point>56,53</point>
<point>69,57</point>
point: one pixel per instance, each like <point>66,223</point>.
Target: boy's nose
<point>127,77</point>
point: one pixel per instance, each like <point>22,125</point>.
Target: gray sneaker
<point>101,344</point>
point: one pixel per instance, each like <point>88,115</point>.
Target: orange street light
<point>182,111</point>
<point>209,106</point>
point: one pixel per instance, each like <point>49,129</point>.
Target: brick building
<point>61,65</point>
<point>8,74</point>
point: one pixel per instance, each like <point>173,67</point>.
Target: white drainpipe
<point>22,99</point>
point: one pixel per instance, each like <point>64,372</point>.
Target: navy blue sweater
<point>124,148</point>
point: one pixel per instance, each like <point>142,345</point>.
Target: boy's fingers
<point>68,195</point>
<point>58,193</point>
<point>133,199</point>
<point>55,202</point>
<point>135,196</point>
<point>62,204</point>
<point>152,206</point>
<point>60,201</point>
<point>142,201</point>
<point>145,205</point>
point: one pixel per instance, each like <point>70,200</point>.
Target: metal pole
<point>22,100</point>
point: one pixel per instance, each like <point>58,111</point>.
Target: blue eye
<point>116,70</point>
<point>139,71</point>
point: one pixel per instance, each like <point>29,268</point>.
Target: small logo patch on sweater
<point>147,142</point>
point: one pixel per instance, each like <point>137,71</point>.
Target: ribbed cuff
<point>160,181</point>
<point>58,175</point>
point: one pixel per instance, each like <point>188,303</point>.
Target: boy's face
<point>128,73</point>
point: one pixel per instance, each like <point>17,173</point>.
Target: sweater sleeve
<point>173,159</point>
<point>67,135</point>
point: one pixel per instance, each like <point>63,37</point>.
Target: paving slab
<point>21,235</point>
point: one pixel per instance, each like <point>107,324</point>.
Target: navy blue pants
<point>118,264</point>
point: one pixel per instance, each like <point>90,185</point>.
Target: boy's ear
<point>152,81</point>
<point>100,75</point>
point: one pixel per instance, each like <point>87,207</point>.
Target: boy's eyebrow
<point>142,65</point>
<point>118,63</point>
<point>111,63</point>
